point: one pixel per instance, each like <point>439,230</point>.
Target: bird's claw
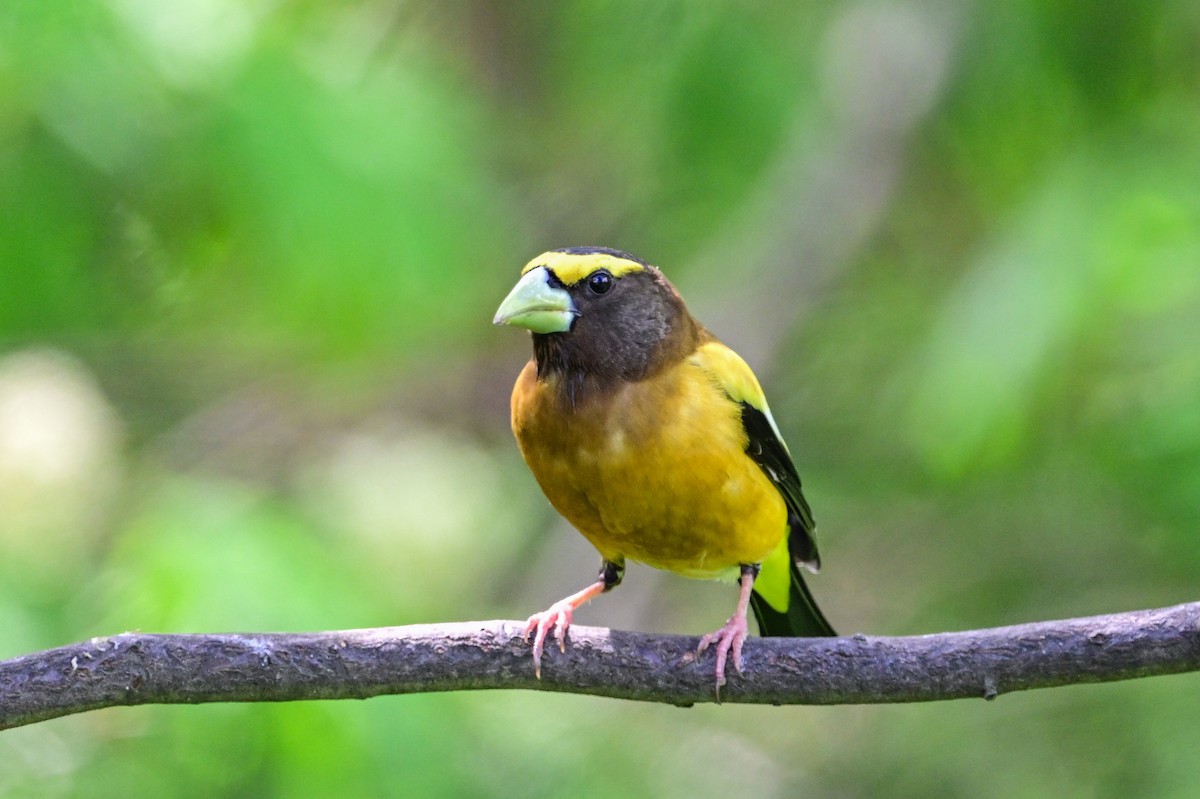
<point>558,618</point>
<point>730,637</point>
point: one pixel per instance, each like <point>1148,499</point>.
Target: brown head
<point>599,315</point>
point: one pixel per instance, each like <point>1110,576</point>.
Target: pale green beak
<point>536,305</point>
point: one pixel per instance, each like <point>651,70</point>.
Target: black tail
<point>803,618</point>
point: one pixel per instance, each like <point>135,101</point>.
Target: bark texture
<point>147,668</point>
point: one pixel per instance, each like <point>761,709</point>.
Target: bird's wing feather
<point>764,444</point>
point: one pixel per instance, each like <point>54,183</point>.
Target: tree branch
<point>143,668</point>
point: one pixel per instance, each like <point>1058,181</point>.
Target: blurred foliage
<point>248,256</point>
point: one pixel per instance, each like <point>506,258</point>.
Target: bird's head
<point>599,312</point>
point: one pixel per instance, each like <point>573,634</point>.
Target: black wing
<point>765,448</point>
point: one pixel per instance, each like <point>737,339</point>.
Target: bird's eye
<point>600,282</point>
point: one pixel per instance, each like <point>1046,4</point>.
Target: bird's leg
<point>558,616</point>
<point>733,634</point>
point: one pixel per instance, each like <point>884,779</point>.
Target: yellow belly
<point>655,472</point>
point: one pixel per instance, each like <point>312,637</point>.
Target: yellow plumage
<point>658,471</point>
<point>654,439</point>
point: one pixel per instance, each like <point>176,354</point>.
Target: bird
<point>655,441</point>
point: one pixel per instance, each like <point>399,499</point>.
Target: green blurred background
<point>249,255</point>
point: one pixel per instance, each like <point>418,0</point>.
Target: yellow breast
<point>654,471</point>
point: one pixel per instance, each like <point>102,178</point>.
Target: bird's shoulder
<point>764,443</point>
<point>730,372</point>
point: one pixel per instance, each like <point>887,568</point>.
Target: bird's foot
<point>728,638</point>
<point>558,618</point>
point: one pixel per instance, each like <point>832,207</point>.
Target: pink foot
<point>731,636</point>
<point>558,618</point>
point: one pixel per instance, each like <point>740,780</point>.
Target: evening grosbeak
<point>654,439</point>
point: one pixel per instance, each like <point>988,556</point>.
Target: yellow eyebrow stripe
<point>570,268</point>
